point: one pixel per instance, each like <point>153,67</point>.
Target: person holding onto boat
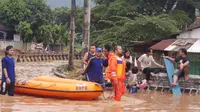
<point>94,68</point>
<point>116,72</point>
<point>145,65</point>
<point>8,72</point>
<point>87,56</point>
<point>183,63</point>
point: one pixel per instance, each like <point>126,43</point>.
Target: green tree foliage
<point>62,16</point>
<point>126,30</point>
<point>25,16</point>
<point>24,29</point>
<point>41,14</point>
<point>54,34</point>
<point>112,21</point>
<point>12,12</point>
<point>124,21</point>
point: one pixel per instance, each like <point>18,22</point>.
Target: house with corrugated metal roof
<point>188,39</point>
<point>6,33</point>
<point>9,37</point>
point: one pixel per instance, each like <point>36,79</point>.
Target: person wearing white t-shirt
<point>145,65</point>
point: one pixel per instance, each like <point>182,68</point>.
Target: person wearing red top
<point>107,52</point>
<point>116,72</point>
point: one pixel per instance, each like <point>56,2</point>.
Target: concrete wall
<point>195,33</point>
<point>184,35</point>
<point>27,46</point>
<point>16,44</point>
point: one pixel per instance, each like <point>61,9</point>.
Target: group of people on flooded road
<point>117,65</point>
<point>120,66</point>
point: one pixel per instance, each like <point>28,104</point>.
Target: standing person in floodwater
<point>107,52</point>
<point>8,72</point>
<point>88,55</point>
<point>116,72</point>
<point>129,61</point>
<point>94,69</point>
<point>183,63</point>
<point>127,56</point>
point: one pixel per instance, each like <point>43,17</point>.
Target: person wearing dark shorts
<point>8,73</point>
<point>145,63</point>
<point>183,63</point>
<point>179,73</point>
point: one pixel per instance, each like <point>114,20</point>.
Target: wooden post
<point>86,30</point>
<point>72,35</point>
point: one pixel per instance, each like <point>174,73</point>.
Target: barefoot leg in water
<point>186,72</point>
<point>175,80</point>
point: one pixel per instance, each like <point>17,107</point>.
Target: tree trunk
<point>86,30</point>
<point>72,35</point>
<point>166,6</point>
<point>54,44</point>
<point>174,6</point>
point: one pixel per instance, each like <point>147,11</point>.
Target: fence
<point>44,57</point>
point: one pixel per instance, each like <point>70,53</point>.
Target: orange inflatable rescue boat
<point>58,80</point>
<point>45,86</point>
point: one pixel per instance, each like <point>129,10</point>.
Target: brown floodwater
<point>146,101</point>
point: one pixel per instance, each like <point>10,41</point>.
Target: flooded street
<point>29,70</point>
<point>145,101</point>
<point>150,102</point>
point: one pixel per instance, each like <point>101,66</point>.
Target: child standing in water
<point>134,83</point>
<point>8,72</point>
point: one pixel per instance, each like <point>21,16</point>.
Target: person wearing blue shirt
<point>94,69</point>
<point>8,72</point>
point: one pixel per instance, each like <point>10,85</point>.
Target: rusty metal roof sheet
<point>162,44</point>
<point>181,43</point>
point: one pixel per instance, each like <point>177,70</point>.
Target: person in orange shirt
<point>106,56</point>
<point>107,52</point>
<point>116,72</point>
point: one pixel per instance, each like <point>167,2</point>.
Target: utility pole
<point>72,35</point>
<point>86,30</point>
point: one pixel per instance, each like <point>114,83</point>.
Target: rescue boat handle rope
<point>109,96</point>
<point>40,84</point>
